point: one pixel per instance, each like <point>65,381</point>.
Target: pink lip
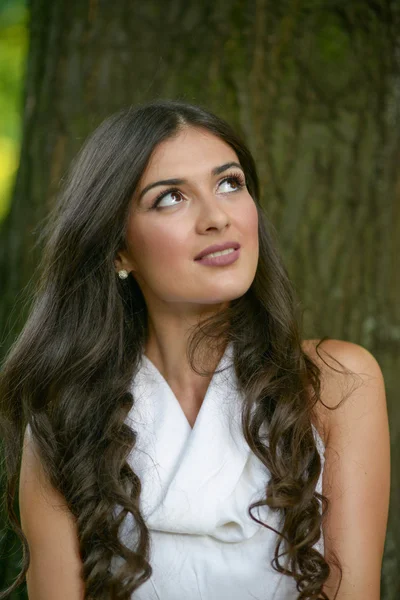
<point>220,261</point>
<point>217,248</point>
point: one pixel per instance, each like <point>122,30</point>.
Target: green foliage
<point>13,52</point>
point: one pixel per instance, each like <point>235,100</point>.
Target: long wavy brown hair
<point>69,373</point>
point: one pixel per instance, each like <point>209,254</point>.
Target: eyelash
<point>237,177</point>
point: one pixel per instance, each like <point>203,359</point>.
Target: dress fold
<point>197,485</point>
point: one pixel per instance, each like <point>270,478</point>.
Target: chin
<point>224,296</point>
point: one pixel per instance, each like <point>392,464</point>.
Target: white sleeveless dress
<point>197,485</point>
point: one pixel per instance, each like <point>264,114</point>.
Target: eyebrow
<point>215,171</point>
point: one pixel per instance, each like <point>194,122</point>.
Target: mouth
<point>218,250</point>
<point>221,258</point>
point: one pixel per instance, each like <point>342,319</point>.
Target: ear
<point>122,261</point>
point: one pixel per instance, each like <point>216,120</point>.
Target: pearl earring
<point>123,274</point>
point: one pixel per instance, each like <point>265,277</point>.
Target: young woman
<point>173,435</point>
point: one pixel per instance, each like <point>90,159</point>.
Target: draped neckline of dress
<point>196,480</point>
<point>159,375</point>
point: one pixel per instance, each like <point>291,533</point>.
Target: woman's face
<point>205,209</point>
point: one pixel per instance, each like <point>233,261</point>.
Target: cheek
<point>157,247</point>
<point>248,219</point>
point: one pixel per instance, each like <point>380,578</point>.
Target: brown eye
<point>163,195</point>
<point>235,181</point>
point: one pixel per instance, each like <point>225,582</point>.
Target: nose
<point>211,214</point>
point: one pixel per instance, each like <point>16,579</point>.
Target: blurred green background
<point>312,85</point>
<point>13,51</point>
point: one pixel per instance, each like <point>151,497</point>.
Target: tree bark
<point>314,88</point>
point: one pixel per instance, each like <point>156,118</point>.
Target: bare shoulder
<point>33,479</point>
<point>348,372</point>
<point>42,507</point>
<point>356,476</point>
<point>50,529</point>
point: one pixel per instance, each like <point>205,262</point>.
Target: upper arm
<point>356,476</point>
<point>55,564</point>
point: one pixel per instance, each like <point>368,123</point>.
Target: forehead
<point>192,151</point>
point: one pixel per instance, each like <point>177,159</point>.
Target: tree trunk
<point>314,88</point>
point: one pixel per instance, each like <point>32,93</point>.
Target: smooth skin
<point>162,244</point>
<point>356,477</point>
<point>209,209</point>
